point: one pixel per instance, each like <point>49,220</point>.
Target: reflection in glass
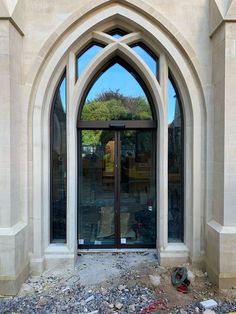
<point>58,168</point>
<point>137,189</point>
<point>175,165</point>
<point>148,57</point>
<point>96,187</point>
<point>86,57</point>
<point>116,95</point>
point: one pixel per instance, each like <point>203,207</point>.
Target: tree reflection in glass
<point>116,95</point>
<point>97,184</point>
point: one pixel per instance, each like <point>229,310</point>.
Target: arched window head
<point>117,33</point>
<point>86,56</point>
<point>58,163</point>
<point>148,57</point>
<point>116,94</point>
<point>175,164</point>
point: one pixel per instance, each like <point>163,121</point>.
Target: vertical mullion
<point>163,158</point>
<point>72,158</point>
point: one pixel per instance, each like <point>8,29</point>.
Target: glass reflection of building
<point>175,166</point>
<point>58,172</point>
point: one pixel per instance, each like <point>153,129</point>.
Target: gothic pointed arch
<point>176,55</point>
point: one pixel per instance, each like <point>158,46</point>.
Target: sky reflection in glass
<point>150,61</point>
<point>84,59</point>
<point>62,91</point>
<point>116,78</point>
<point>171,102</point>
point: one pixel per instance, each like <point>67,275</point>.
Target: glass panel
<point>86,57</point>
<point>150,59</point>
<point>58,164</point>
<point>96,188</point>
<point>137,189</point>
<point>116,95</point>
<point>117,33</point>
<point>175,166</point>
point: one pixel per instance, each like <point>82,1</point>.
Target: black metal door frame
<point>118,127</point>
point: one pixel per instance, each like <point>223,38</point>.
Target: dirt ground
<point>137,274</point>
<point>116,273</point>
<point>137,269</point>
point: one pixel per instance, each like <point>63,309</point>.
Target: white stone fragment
<point>208,304</point>
<point>118,306</point>
<point>155,280</point>
<point>132,308</point>
<point>91,298</point>
<point>121,287</point>
<point>209,312</point>
<point>191,276</point>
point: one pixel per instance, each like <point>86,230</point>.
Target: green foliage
<point>114,106</point>
<point>91,137</point>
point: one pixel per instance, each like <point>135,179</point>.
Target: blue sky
<point>62,91</point>
<point>118,78</point>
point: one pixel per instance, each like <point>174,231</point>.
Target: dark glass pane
<point>86,57</point>
<point>175,166</point>
<point>150,59</point>
<point>58,164</point>
<point>117,33</point>
<point>116,95</point>
<point>137,188</point>
<point>96,188</point>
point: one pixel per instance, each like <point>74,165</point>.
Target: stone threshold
<point>129,250</point>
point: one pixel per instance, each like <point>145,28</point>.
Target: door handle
<point>116,126</point>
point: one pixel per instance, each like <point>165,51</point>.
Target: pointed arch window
<point>175,164</point>
<point>86,56</point>
<point>117,93</point>
<point>148,57</point>
<point>58,164</point>
<point>117,33</point>
<point>117,149</point>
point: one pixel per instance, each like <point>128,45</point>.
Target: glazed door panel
<point>117,205</point>
<point>137,188</point>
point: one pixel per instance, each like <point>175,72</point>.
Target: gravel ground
<point>125,283</point>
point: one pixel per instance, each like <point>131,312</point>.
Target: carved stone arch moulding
<point>53,57</point>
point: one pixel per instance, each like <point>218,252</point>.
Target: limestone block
<point>216,16</point>
<point>14,258</point>
<point>14,11</point>
<point>221,254</point>
<point>231,13</point>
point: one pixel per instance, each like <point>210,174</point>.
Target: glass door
<point>96,218</point>
<point>117,205</point>
<point>137,188</point>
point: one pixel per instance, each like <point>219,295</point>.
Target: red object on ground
<point>182,288</point>
<point>157,305</point>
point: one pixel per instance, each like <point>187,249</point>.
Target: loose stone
<point>89,299</point>
<point>119,306</point>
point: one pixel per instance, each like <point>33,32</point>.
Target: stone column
<point>13,162</point>
<point>221,229</point>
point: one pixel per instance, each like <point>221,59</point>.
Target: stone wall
<point>197,38</point>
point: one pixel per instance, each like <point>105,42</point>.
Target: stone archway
<point>42,93</point>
